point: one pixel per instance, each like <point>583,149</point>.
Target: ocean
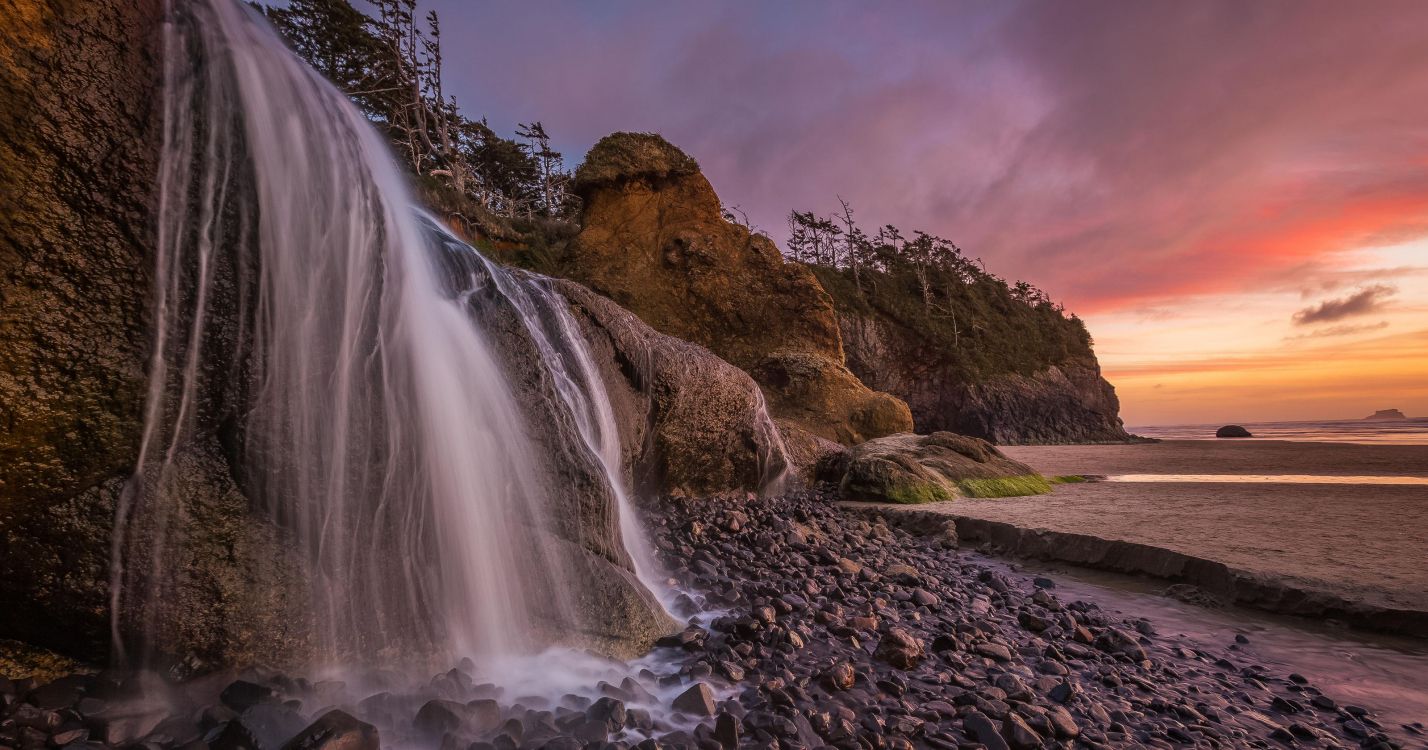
<point>1364,431</point>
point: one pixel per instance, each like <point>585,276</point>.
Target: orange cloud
<point>1315,383</point>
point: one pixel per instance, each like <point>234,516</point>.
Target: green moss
<point>20,660</point>
<point>1069,479</point>
<point>916,494</point>
<point>1027,484</point>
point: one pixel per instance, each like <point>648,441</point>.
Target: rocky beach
<point>811,626</point>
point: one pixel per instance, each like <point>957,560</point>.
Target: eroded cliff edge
<point>1017,376</point>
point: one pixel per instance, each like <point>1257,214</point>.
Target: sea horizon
<point>1411,431</point>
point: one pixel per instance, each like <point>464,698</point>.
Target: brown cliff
<point>653,239</point>
<point>1065,400</point>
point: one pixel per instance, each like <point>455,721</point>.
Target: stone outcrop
<point>1232,431</point>
<point>654,240</point>
<point>691,423</point>
<point>1065,403</point>
<point>1386,414</point>
<point>910,469</point>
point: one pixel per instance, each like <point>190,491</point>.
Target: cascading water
<point>563,350</point>
<point>377,426</point>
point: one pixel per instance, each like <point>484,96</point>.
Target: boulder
<point>1232,431</point>
<point>654,239</point>
<point>911,468</point>
<point>336,730</point>
<point>691,423</point>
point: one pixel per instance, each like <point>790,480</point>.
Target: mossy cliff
<point>980,360</point>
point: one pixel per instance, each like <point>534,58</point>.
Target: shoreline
<point>1218,582</point>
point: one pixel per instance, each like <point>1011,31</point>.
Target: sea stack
<point>1232,431</point>
<point>1385,414</point>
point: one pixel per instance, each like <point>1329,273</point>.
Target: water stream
<point>381,431</point>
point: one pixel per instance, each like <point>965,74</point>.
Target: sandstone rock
<point>79,125</point>
<point>655,241</point>
<point>811,458</point>
<point>925,468</point>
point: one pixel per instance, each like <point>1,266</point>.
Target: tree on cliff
<point>982,324</point>
<point>391,67</point>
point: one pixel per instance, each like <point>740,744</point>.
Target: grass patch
<point>1069,479</point>
<point>1027,484</point>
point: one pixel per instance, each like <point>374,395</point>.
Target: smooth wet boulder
<point>927,468</point>
<point>691,423</point>
<point>336,730</point>
<point>654,239</point>
<point>1232,431</point>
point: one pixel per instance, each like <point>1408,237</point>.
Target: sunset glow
<point>1187,177</point>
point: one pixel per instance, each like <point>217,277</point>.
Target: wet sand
<point>1346,551</point>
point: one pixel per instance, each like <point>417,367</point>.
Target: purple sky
<point>1170,139</point>
<point>1146,162</point>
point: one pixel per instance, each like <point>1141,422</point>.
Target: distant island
<point>1385,414</point>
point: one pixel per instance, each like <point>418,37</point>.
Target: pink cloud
<point>1114,153</point>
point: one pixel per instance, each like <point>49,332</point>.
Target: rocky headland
<point>1048,390</point>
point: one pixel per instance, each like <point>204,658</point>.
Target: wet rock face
<point>654,240</point>
<point>691,423</point>
<point>1232,431</point>
<point>79,135</point>
<point>78,151</point>
<point>912,469</point>
<point>1065,403</point>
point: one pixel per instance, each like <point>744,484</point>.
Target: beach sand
<point>1300,547</point>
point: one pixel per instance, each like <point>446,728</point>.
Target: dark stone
<point>241,695</point>
<point>336,730</point>
<point>900,648</point>
<point>1232,431</point>
<point>437,717</point>
<point>727,729</point>
<point>984,730</point>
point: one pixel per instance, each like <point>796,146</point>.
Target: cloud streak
<point>1362,302</point>
<point>1335,331</point>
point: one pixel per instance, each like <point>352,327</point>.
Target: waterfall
<point>378,427</point>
